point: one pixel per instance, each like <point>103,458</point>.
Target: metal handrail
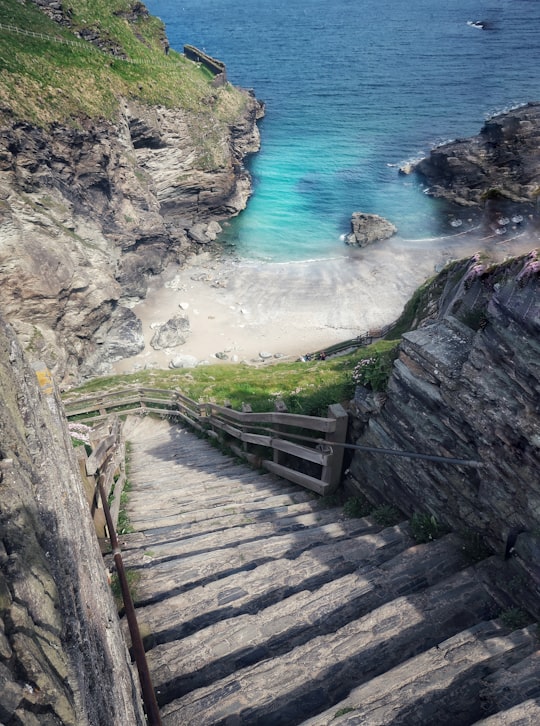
<point>148,693</point>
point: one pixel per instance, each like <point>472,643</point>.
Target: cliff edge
<point>466,385</point>
<point>127,163</point>
<point>63,659</point>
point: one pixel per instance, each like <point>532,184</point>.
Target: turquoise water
<point>352,91</point>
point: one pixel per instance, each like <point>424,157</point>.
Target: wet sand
<point>245,308</point>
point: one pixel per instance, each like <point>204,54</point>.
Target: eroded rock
<point>368,228</point>
<point>502,161</point>
<point>172,333</point>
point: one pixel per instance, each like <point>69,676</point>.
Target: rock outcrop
<point>466,385</point>
<point>89,213</point>
<point>172,333</point>
<point>368,228</point>
<point>90,208</point>
<point>502,162</point>
<point>63,660</point>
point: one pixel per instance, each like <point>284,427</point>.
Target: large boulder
<point>172,333</point>
<point>368,228</point>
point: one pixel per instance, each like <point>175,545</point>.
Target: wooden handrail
<point>268,439</point>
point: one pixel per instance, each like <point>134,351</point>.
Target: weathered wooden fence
<point>104,466</point>
<point>307,450</point>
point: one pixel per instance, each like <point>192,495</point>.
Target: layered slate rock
<point>503,161</point>
<point>63,660</point>
<point>368,228</point>
<point>260,604</point>
<point>172,333</point>
<point>467,385</point>
<point>92,208</point>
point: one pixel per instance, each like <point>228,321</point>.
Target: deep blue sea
<point>353,89</point>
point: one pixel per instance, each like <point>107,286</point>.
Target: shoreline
<point>242,308</point>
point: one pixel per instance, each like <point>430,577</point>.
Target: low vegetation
<point>305,387</point>
<point>61,77</point>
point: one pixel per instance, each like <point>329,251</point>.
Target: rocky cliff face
<point>62,656</point>
<point>501,163</point>
<point>89,212</point>
<point>466,385</point>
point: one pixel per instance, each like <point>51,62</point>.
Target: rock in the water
<point>183,361</point>
<point>171,333</point>
<point>368,228</point>
<point>503,161</point>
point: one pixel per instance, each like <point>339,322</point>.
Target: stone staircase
<point>259,606</point>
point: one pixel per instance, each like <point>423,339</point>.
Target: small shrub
<point>329,500</point>
<point>386,514</point>
<point>133,578</point>
<point>424,527</point>
<point>476,319</point>
<point>343,711</point>
<point>514,618</point>
<point>474,547</point>
<point>375,371</point>
<point>357,507</point>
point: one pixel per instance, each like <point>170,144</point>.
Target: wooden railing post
<point>280,407</point>
<point>331,473</point>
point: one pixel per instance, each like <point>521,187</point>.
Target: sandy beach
<point>244,308</point>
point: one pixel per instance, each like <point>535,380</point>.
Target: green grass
<point>44,81</point>
<point>425,527</point>
<point>307,388</point>
<point>133,578</point>
<point>357,507</point>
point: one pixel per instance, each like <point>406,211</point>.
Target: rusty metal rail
<point>148,694</point>
<point>103,463</point>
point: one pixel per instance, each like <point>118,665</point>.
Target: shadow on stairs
<point>259,606</point>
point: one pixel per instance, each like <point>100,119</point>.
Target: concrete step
<point>443,685</point>
<point>218,650</point>
<point>298,684</point>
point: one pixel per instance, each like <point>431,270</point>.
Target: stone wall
<point>466,385</point>
<point>216,67</point>
<point>62,655</point>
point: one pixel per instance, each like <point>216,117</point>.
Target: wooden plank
<point>312,423</point>
<point>100,453</point>
<point>258,439</point>
<point>302,452</point>
<point>297,477</point>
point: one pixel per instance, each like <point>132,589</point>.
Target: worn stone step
<point>511,686</point>
<point>298,684</point>
<point>180,571</point>
<point>165,510</point>
<point>185,527</point>
<point>238,530</point>
<point>250,543</point>
<point>524,714</point>
<point>189,602</point>
<point>218,650</point>
<point>444,685</point>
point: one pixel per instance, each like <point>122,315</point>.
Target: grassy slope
<point>45,81</point>
<point>307,388</point>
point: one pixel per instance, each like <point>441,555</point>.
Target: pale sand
<point>245,308</point>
